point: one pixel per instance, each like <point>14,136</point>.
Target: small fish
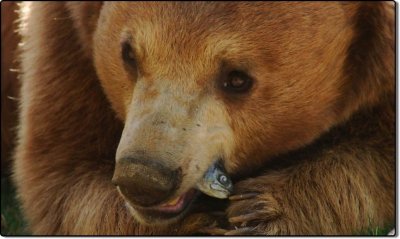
<point>216,182</point>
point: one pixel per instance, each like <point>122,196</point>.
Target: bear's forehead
<point>196,35</point>
<point>162,33</point>
<point>214,25</point>
<point>227,16</point>
<point>180,26</point>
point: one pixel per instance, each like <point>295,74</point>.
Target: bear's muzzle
<point>145,182</point>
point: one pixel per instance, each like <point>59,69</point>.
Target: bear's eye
<point>128,56</point>
<point>237,82</point>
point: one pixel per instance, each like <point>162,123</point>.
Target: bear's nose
<point>145,182</point>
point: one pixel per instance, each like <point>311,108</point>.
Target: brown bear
<point>125,105</point>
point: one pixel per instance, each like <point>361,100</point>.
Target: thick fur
<point>314,148</point>
<point>9,82</point>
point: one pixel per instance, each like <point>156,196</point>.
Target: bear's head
<point>240,83</point>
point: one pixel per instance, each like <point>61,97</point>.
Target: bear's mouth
<point>214,183</point>
<point>168,211</point>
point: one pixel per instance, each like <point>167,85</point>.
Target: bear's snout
<point>145,182</point>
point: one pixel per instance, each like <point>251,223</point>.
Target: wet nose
<point>145,182</point>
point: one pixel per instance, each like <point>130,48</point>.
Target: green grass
<point>376,231</point>
<point>12,222</point>
<point>379,231</point>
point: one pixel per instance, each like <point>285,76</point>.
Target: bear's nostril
<point>145,182</point>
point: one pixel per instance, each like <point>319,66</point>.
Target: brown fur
<point>314,139</point>
<point>9,82</point>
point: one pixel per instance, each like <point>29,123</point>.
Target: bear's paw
<point>255,209</point>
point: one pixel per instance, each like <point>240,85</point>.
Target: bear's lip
<point>170,210</point>
<point>177,204</point>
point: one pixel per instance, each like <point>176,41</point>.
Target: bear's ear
<point>85,15</point>
<point>370,57</point>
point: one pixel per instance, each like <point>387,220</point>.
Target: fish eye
<point>223,179</point>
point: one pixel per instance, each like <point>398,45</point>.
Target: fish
<point>216,182</point>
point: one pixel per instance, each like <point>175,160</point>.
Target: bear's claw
<point>242,231</point>
<point>244,196</point>
<point>216,231</point>
<point>246,217</point>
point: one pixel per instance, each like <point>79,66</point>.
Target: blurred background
<point>12,222</point>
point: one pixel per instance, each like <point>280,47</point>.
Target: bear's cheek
<point>117,83</point>
<point>265,132</point>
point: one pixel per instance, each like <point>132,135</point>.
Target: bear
<point>125,105</point>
